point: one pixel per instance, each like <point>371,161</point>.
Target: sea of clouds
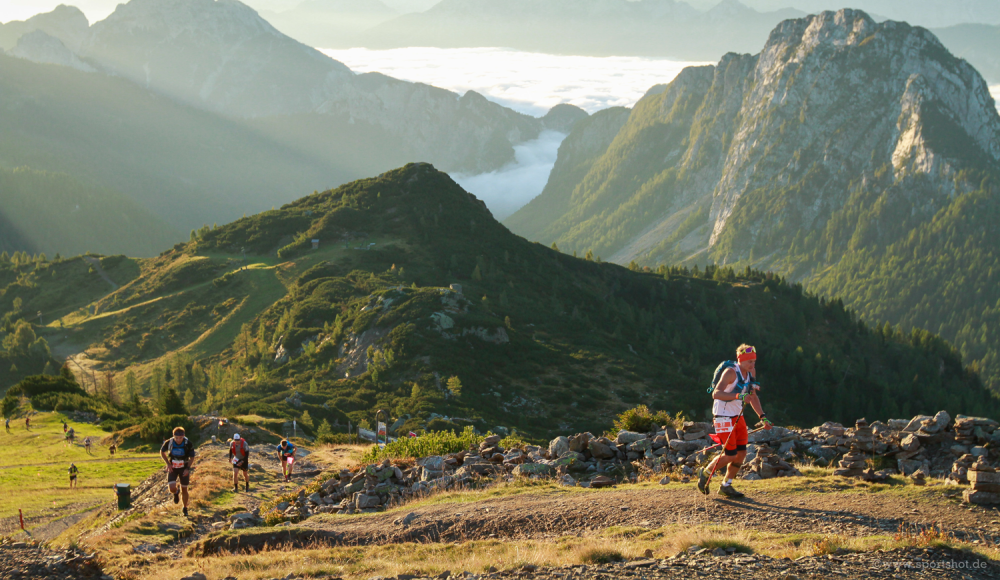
<point>527,82</point>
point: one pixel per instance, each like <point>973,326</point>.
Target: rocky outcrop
<point>67,23</point>
<point>834,102</point>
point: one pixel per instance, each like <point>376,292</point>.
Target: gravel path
<point>551,514</point>
<point>914,563</point>
<point>23,561</point>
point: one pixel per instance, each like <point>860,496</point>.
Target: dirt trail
<point>51,529</point>
<point>551,514</point>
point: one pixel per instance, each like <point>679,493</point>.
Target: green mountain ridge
<point>538,340</point>
<point>833,157</point>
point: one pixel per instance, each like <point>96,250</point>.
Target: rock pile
<point>29,561</point>
<point>985,483</point>
<point>921,447</point>
<point>766,465</point>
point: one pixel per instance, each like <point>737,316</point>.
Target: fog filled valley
<point>461,274</point>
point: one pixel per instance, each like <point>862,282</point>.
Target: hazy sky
<point>24,9</point>
<point>99,9</point>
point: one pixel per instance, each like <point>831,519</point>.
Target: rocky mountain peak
<point>67,23</point>
<point>839,76</point>
<point>172,18</point>
<point>832,100</point>
<point>38,46</point>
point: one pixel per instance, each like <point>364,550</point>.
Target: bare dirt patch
<point>556,512</point>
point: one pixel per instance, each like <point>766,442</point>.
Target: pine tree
<point>455,386</point>
<point>306,419</point>
<point>171,403</point>
<point>324,432</point>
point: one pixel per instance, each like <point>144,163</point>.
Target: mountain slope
<point>538,340</point>
<point>221,56</point>
<point>185,166</point>
<point>200,111</point>
<point>55,213</point>
<point>843,137</point>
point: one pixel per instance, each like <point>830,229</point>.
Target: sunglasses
<point>748,349</point>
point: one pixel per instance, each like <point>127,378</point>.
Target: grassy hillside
<point>537,339</point>
<point>41,478</point>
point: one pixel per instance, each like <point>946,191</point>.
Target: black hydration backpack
<point>729,364</point>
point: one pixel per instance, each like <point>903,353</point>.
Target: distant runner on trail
<point>27,422</point>
<point>70,435</point>
<point>8,424</point>
<point>735,387</point>
<point>73,471</point>
<point>286,455</point>
<point>239,456</point>
<point>178,453</point>
<point>65,426</point>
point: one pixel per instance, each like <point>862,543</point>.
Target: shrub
<point>641,419</point>
<point>601,556</point>
<point>158,429</point>
<point>433,443</point>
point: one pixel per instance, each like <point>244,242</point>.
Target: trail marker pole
<point>20,516</point>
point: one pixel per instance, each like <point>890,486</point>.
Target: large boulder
<point>686,447</point>
<point>943,419</point>
<point>528,469</point>
<point>558,446</point>
<point>602,448</point>
<point>580,442</point>
<point>914,425</point>
<point>910,443</point>
<point>626,437</point>
<point>640,446</point>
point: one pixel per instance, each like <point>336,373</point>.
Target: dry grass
<point>359,562</point>
<point>337,457</point>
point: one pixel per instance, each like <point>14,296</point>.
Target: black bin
<point>124,493</point>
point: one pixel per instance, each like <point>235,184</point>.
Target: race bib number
<point>236,460</point>
<point>290,460</point>
<point>177,464</point>
<point>723,425</point>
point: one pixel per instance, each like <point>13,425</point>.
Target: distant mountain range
<point>200,110</point>
<point>684,30</point>
<point>856,156</point>
<point>588,27</point>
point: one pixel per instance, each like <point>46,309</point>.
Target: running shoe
<point>177,497</point>
<point>702,481</point>
<point>730,491</point>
